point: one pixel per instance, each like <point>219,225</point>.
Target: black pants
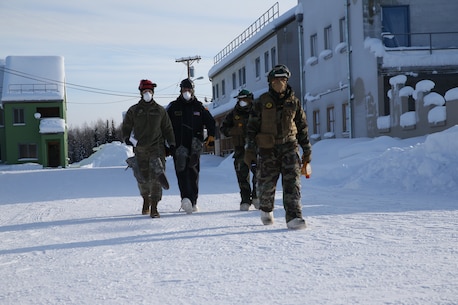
<point>188,182</point>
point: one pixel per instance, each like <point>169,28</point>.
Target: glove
<point>170,150</point>
<point>306,156</point>
<point>210,141</point>
<point>128,142</point>
<point>250,157</point>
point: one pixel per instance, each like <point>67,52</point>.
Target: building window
<point>342,30</point>
<point>217,91</point>
<point>330,119</point>
<point>28,151</point>
<point>234,81</point>
<point>273,56</point>
<point>49,112</point>
<point>257,65</point>
<point>313,45</point>
<point>316,122</point>
<point>266,62</point>
<point>328,38</point>
<point>396,21</point>
<point>223,87</point>
<point>242,76</point>
<point>345,118</point>
<point>18,116</point>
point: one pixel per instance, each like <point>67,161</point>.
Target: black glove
<point>128,142</point>
<point>173,149</point>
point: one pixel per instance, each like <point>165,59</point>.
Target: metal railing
<point>255,27</point>
<point>32,88</point>
<point>420,41</point>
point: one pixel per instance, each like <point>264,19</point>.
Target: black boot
<point>146,203</point>
<point>154,213</point>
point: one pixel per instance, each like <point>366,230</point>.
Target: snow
<point>381,213</point>
<point>52,125</point>
<point>32,78</point>
<point>451,95</point>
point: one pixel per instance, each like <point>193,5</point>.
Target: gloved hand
<point>210,141</point>
<point>307,156</point>
<point>170,150</point>
<point>128,142</point>
<point>250,157</point>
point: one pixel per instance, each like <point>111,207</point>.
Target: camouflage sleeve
<point>227,124</point>
<point>302,128</point>
<point>167,129</point>
<point>253,125</point>
<point>127,124</point>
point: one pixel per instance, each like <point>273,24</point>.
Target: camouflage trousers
<point>242,171</point>
<point>147,158</point>
<point>281,160</point>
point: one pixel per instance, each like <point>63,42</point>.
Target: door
<point>53,153</point>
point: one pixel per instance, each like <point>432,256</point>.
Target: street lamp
<point>198,78</point>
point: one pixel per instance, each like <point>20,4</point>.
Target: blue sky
<point>112,44</point>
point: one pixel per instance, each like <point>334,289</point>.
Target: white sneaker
<point>267,218</point>
<point>244,206</point>
<point>256,203</point>
<point>186,205</point>
<point>296,224</point>
<point>195,208</point>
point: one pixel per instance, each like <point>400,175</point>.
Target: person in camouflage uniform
<point>276,128</point>
<point>148,124</point>
<point>234,125</point>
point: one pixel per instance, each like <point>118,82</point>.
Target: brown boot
<point>154,213</point>
<point>146,203</point>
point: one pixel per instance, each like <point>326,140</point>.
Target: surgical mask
<point>147,97</point>
<point>243,104</point>
<point>187,95</point>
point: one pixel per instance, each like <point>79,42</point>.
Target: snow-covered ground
<point>382,217</point>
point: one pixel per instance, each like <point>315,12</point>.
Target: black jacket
<point>189,118</point>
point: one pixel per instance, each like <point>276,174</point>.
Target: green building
<point>33,110</point>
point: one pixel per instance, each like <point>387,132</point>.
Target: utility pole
<point>188,61</point>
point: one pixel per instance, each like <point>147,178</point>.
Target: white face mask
<point>187,95</point>
<point>243,104</point>
<point>147,97</point>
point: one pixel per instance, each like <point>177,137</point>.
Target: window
<point>49,112</point>
<point>223,87</point>
<point>273,56</point>
<point>345,118</point>
<point>217,90</point>
<point>28,151</point>
<point>266,62</point>
<point>342,30</point>
<point>242,76</point>
<point>18,116</point>
<point>395,20</point>
<point>330,119</point>
<point>234,81</point>
<point>316,122</point>
<point>313,45</point>
<point>257,65</point>
<point>328,37</point>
